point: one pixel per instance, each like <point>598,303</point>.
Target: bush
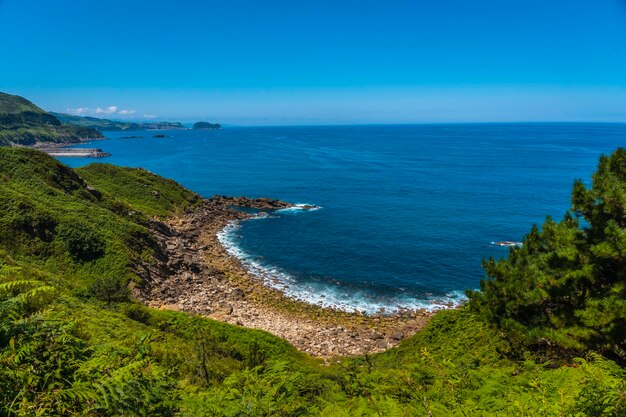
<point>138,313</point>
<point>83,243</point>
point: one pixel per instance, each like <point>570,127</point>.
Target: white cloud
<point>149,116</point>
<point>107,110</point>
<point>127,112</point>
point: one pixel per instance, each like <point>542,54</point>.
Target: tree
<point>565,288</point>
<point>110,289</point>
<point>82,242</point>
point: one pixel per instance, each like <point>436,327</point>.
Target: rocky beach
<point>197,275</point>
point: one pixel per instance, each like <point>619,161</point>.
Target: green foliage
<point>10,104</point>
<point>138,313</point>
<point>109,288</point>
<point>82,242</point>
<point>23,123</point>
<point>565,289</point>
<point>63,356</point>
<point>49,214</point>
<point>601,396</point>
<point>141,189</point>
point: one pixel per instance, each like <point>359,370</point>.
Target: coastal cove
<point>200,277</point>
<point>406,212</point>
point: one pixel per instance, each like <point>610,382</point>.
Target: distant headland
<point>106,125</point>
<point>22,123</point>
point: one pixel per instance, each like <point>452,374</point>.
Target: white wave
<point>508,243</point>
<point>299,208</point>
<point>325,295</point>
<point>262,215</point>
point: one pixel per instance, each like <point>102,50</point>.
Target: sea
<point>404,214</point>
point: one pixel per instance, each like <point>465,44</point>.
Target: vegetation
<point>564,291</point>
<point>104,125</point>
<point>542,338</point>
<point>23,123</point>
<point>207,125</point>
<point>149,193</point>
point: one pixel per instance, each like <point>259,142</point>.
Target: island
<point>206,126</point>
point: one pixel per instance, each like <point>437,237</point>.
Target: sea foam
<point>299,207</point>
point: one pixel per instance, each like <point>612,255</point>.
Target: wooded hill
<point>23,123</point>
<point>106,125</point>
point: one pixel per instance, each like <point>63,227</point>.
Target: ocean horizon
<point>405,213</point>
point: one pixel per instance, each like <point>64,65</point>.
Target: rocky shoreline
<point>198,276</point>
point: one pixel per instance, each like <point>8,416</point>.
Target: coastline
<point>68,150</point>
<point>199,276</point>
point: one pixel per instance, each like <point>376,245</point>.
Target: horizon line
<point>229,125</point>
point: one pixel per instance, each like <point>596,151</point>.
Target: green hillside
<point>17,104</point>
<point>73,342</point>
<point>105,125</point>
<point>96,123</point>
<point>23,123</point>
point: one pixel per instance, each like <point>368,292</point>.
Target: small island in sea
<point>206,126</point>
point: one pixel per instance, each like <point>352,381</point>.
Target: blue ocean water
<point>407,212</point>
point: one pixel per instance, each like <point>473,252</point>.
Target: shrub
<point>109,288</point>
<point>138,313</point>
<point>82,242</point>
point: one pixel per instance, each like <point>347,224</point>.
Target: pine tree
<point>565,288</point>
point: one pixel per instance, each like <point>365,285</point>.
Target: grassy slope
<point>41,199</point>
<point>66,352</point>
<point>23,123</point>
<point>140,189</point>
<point>16,104</point>
<point>38,199</point>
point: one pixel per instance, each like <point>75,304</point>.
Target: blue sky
<point>319,62</point>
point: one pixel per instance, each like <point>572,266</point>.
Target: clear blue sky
<point>319,62</point>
